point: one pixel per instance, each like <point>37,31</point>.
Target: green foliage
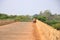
<point>23,18</point>
<point>3,16</point>
<point>42,18</point>
<point>15,17</point>
<point>51,22</point>
<point>56,26</point>
<point>49,18</point>
<point>46,16</point>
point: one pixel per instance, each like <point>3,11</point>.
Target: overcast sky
<point>28,7</point>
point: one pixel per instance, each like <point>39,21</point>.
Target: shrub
<point>56,26</point>
<point>51,22</point>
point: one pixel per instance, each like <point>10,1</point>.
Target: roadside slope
<point>47,32</point>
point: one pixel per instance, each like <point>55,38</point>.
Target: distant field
<point>4,22</point>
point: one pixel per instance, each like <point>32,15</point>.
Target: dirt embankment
<point>4,22</point>
<point>46,32</point>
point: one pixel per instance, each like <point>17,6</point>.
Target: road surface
<point>28,31</point>
<point>17,31</point>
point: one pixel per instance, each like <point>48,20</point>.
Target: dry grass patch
<point>4,22</point>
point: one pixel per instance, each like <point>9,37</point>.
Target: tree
<point>47,14</point>
<point>3,16</point>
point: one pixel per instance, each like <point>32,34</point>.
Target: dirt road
<point>17,31</point>
<point>28,31</point>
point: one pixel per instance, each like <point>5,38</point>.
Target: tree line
<point>15,17</point>
<point>46,16</point>
<point>49,18</point>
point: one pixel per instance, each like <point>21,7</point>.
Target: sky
<point>28,7</point>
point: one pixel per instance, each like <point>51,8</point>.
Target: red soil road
<point>28,31</point>
<point>17,31</point>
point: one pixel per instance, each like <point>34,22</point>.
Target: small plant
<point>56,26</point>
